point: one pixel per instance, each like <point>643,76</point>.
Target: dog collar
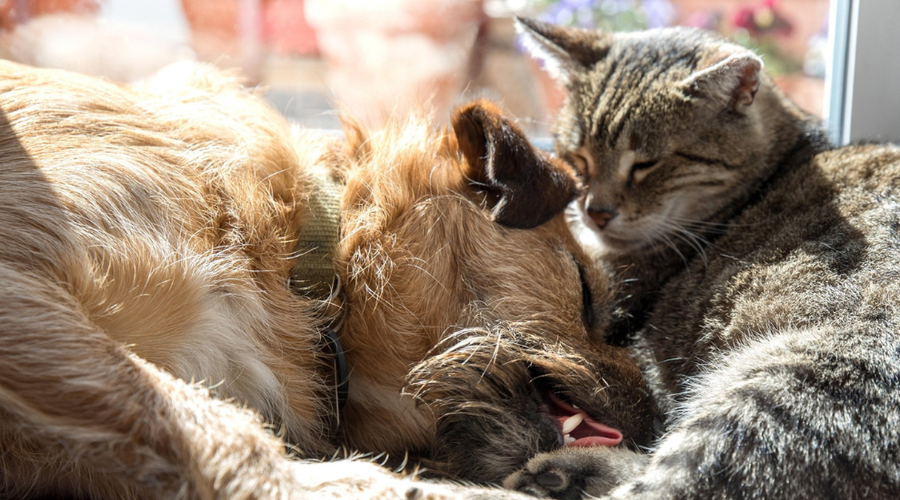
<point>313,274</point>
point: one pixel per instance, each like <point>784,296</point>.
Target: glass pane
<point>372,57</point>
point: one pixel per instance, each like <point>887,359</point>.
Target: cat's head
<point>665,125</point>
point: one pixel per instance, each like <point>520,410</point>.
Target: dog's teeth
<point>572,422</point>
<point>567,439</point>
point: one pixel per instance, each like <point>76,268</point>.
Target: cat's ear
<point>732,79</point>
<point>524,186</point>
<point>564,51</point>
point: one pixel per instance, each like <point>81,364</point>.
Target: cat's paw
<point>574,473</point>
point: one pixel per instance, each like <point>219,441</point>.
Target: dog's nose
<point>601,216</point>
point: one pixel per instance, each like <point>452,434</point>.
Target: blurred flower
<point>760,27</point>
<point>762,19</point>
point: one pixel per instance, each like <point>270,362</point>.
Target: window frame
<point>862,97</point>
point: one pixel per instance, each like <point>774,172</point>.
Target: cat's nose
<point>601,216</point>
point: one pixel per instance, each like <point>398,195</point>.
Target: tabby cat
<point>758,270</point>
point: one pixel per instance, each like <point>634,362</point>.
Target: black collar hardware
<point>341,371</point>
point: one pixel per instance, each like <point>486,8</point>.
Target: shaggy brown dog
<point>151,239</point>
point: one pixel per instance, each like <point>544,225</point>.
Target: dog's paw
<point>574,473</point>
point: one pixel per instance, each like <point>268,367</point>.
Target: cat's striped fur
<point>759,270</point>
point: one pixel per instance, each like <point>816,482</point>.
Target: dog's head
<point>475,324</point>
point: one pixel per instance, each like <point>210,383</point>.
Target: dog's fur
<point>148,240</point>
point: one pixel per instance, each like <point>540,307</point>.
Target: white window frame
<point>862,98</point>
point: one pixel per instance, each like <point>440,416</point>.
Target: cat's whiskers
<point>690,238</point>
<point>698,223</point>
<point>699,230</point>
<point>695,241</point>
<point>662,236</point>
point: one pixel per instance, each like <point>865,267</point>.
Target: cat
<point>758,272</point>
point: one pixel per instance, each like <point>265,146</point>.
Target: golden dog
<point>180,271</point>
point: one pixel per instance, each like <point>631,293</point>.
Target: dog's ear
<point>527,187</point>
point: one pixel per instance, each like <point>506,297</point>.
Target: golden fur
<point>147,240</point>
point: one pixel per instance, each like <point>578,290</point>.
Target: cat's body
<point>759,270</point>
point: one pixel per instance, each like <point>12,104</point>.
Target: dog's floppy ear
<point>526,186</point>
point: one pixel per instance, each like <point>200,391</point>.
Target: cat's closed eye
<point>640,170</point>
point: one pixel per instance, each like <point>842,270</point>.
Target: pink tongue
<point>589,432</point>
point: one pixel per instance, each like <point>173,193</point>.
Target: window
<point>376,56</point>
<point>864,102</point>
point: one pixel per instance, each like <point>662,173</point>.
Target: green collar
<point>313,275</point>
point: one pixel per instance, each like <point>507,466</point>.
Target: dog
<point>199,301</point>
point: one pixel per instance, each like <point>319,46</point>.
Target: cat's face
<point>660,123</point>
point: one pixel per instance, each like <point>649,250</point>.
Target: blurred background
<point>372,57</point>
